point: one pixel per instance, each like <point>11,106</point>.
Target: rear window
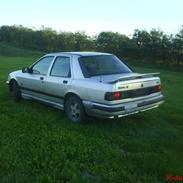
<point>102,65</point>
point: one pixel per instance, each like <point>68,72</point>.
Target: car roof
<point>77,53</point>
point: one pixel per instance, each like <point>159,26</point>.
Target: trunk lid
<point>132,85</point>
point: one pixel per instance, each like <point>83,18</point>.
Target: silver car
<point>87,84</point>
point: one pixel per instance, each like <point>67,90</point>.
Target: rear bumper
<point>123,109</point>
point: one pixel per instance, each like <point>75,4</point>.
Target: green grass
<point>39,144</point>
<point>14,51</point>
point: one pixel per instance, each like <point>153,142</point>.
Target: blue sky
<point>94,16</point>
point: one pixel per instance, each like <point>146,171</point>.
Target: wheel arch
<point>69,94</point>
<point>11,83</point>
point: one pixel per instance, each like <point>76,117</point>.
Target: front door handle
<point>41,78</point>
<point>65,81</point>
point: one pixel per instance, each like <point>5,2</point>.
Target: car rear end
<point>129,95</point>
<point>115,90</point>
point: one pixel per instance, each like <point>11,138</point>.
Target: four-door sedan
<point>87,83</point>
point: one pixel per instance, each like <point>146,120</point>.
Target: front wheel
<point>16,91</point>
<point>74,109</point>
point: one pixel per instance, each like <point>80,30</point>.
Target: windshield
<point>102,65</point>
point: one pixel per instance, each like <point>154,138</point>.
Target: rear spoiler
<point>138,76</point>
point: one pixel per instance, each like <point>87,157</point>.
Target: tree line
<point>152,46</point>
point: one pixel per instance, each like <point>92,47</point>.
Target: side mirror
<point>26,70</point>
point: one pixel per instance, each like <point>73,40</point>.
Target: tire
<point>16,91</point>
<point>74,109</point>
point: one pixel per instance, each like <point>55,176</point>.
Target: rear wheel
<point>16,91</point>
<point>74,109</point>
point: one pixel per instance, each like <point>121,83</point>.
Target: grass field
<point>39,144</point>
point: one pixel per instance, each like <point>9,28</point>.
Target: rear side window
<point>61,67</point>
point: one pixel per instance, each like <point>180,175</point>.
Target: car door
<point>59,79</point>
<point>34,83</point>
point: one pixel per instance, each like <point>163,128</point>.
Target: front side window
<point>61,67</point>
<point>42,66</point>
<point>102,65</point>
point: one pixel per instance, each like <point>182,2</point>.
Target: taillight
<point>117,95</point>
<point>113,96</point>
<point>157,88</point>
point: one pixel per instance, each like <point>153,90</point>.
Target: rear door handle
<point>41,78</point>
<point>65,81</point>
